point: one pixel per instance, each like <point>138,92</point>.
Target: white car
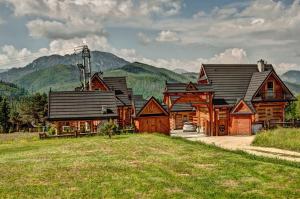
<point>189,127</point>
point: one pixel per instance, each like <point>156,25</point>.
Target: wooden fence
<point>286,124</point>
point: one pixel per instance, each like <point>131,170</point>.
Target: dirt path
<point>242,143</point>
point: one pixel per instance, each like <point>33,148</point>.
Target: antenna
<point>85,66</point>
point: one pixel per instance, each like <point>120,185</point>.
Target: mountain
<point>295,88</point>
<point>3,70</point>
<point>144,79</point>
<point>100,61</point>
<point>10,90</point>
<point>292,76</point>
<point>148,80</point>
<point>180,71</point>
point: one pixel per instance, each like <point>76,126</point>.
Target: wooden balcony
<point>272,96</point>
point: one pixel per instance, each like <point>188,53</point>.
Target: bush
<point>109,128</point>
<point>52,131</point>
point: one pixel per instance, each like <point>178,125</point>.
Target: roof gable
<point>98,83</point>
<point>241,108</point>
<point>191,87</point>
<point>230,81</point>
<point>152,107</point>
<point>258,81</point>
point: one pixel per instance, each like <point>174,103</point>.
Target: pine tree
<point>4,115</point>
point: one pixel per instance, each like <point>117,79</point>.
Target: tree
<point>293,110</point>
<point>4,115</point>
<point>33,109</point>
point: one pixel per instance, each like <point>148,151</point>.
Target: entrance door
<point>178,121</point>
<point>222,127</point>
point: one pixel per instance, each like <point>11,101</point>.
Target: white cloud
<point>167,36</point>
<point>284,67</point>
<point>257,21</point>
<point>68,30</point>
<point>143,38</point>
<point>229,56</point>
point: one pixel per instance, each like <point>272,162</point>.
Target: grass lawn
<point>139,166</point>
<point>279,138</point>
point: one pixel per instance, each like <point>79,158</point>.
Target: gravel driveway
<point>242,143</point>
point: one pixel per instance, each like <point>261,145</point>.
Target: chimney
<point>261,65</point>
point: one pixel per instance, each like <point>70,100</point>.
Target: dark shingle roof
<point>119,85</point>
<point>256,80</point>
<point>70,105</point>
<point>139,102</point>
<point>182,87</point>
<point>230,81</point>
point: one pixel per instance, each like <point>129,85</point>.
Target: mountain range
<point>61,73</point>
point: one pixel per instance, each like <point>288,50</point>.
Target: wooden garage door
<point>155,125</point>
<point>241,125</point>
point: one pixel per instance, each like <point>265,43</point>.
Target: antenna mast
<point>85,67</point>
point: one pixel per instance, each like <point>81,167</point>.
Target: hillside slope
<point>11,90</point>
<point>100,60</point>
<point>292,76</point>
<point>144,79</point>
<point>148,80</point>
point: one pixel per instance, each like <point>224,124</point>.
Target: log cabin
<point>150,116</point>
<point>81,111</point>
<point>123,95</point>
<point>230,99</point>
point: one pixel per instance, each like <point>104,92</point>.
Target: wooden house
<point>81,111</point>
<point>231,99</point>
<point>123,95</point>
<point>150,116</point>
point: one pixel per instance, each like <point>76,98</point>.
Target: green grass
<point>139,166</point>
<point>288,139</point>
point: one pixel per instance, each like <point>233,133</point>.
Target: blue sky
<point>165,33</point>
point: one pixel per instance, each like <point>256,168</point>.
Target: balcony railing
<point>269,96</point>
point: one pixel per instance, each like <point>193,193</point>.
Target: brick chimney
<point>261,65</point>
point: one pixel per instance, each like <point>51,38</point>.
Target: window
<point>270,89</point>
<point>270,86</point>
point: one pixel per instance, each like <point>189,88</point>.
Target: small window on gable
<point>270,86</point>
<point>118,92</point>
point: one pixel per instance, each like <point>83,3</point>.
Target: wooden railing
<point>286,124</point>
<point>265,96</point>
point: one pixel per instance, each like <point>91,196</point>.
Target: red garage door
<point>241,125</point>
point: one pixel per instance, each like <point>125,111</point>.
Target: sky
<point>164,33</point>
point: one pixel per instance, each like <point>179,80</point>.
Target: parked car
<point>189,127</point>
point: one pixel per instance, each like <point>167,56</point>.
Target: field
<point>139,166</point>
<point>288,139</point>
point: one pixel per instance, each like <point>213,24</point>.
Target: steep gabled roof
<point>138,102</point>
<point>119,85</point>
<point>98,78</point>
<point>77,105</point>
<point>256,81</point>
<point>158,106</point>
<point>230,81</point>
<point>241,103</point>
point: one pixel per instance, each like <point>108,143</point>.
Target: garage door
<point>241,125</point>
<point>155,125</point>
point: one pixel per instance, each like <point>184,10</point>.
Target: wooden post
<point>210,115</point>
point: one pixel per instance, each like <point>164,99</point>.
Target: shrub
<point>52,131</point>
<point>109,128</point>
